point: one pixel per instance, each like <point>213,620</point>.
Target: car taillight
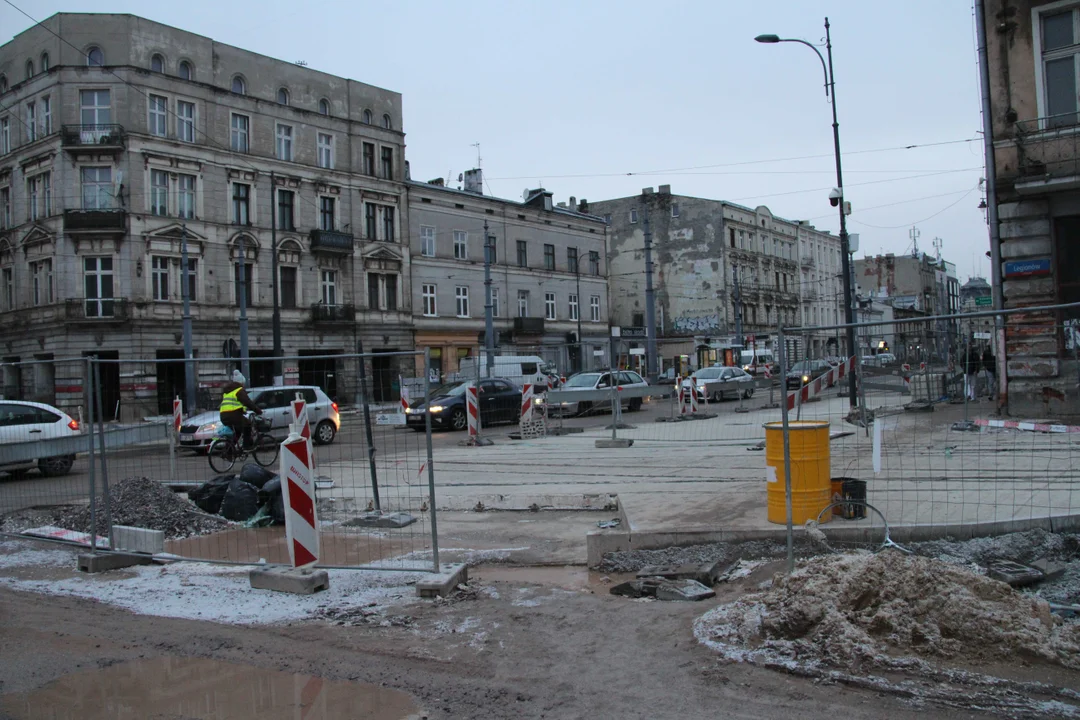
<point>334,405</point>
<point>74,425</point>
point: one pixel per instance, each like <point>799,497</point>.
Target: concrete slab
<point>442,584</point>
<point>381,520</point>
<point>282,578</point>
<point>683,590</point>
<point>137,539</point>
<point>614,443</point>
<point>1013,573</point>
<point>104,562</point>
<point>1051,570</point>
<point>705,574</point>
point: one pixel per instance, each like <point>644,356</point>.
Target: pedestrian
<point>971,371</point>
<point>988,363</point>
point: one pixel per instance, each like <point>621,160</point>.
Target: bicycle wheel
<point>221,456</point>
<point>266,450</point>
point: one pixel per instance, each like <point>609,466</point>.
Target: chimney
<point>583,206</point>
<point>665,189</point>
<point>573,203</point>
<point>474,181</point>
<point>646,191</point>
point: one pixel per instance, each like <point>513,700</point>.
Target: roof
<point>514,203</point>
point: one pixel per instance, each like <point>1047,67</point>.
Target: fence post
<point>430,461</point>
<point>174,435</point>
<point>88,395</point>
<point>787,457</point>
<point>367,430</point>
<point>614,408</point>
<point>104,465</point>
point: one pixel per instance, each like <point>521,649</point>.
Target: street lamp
<point>845,260</point>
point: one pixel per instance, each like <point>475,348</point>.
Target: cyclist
<point>234,403</point>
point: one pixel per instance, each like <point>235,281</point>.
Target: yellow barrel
<point>811,489</point>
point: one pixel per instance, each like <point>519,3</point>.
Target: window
<point>159,192</point>
<point>461,245</point>
<point>238,85</point>
<point>326,150</point>
<point>31,122</point>
<point>390,282</point>
<point>185,196</point>
<point>594,308</point>
<point>571,260</point>
<point>157,63</point>
<point>594,262</point>
<point>523,253</point>
<point>240,136</point>
<point>282,96</point>
<point>29,69</point>
<point>387,122</point>
<point>285,219</point>
<point>494,302</point>
<point>431,308</point>
<point>94,57</point>
<point>8,280</point>
<point>185,70</point>
<point>373,291</point>
<point>241,200</point>
<point>284,142</point>
<point>1059,69</point>
<point>185,121</point>
<point>287,284</point>
<point>159,278</point>
<point>427,241</point>
<point>573,307</point>
<point>97,189</point>
<point>369,159</point>
<point>387,163</point>
<point>324,107</point>
<point>3,83</point>
<point>633,215</point>
<point>95,108</point>
<point>326,213</point>
<point>523,303</point>
<point>674,209</point>
<point>44,62</point>
<point>491,251</point>
<point>549,306</point>
<point>192,276</point>
<point>549,257</point>
<point>246,285</point>
<point>98,286</point>
<point>369,221</point>
<point>388,224</point>
<point>5,136</point>
<point>39,196</point>
<point>461,295</point>
<point>328,287</point>
<point>42,275</point>
<point>5,208</point>
<point>367,117</point>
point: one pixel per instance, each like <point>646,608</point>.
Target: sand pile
<point>862,611</point>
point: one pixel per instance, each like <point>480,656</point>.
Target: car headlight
<point>411,411</point>
<point>208,427</point>
<point>701,388</point>
<point>806,378</point>
<point>746,367</point>
<point>436,408</point>
<point>539,401</point>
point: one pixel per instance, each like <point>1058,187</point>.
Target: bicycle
<point>227,448</point>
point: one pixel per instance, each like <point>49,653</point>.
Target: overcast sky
<point>575,95</point>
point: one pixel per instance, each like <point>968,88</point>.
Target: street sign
<point>984,301</point>
<point>637,351</point>
<point>982,336</point>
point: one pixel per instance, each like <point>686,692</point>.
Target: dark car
<point>500,401</point>
<point>806,371</point>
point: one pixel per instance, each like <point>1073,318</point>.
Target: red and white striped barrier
<point>404,394</point>
<point>177,414</point>
<point>300,416</point>
<point>298,494</point>
<point>1031,426</point>
<point>472,411</point>
<point>693,395</point>
<point>527,403</point>
<point>816,386</point>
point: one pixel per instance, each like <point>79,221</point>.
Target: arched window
<point>386,122</point>
<point>44,62</point>
<point>29,69</point>
<point>94,56</point>
<point>185,70</point>
<point>367,117</point>
<point>238,85</point>
<point>283,96</point>
<point>3,83</point>
<point>157,63</point>
<point>324,107</point>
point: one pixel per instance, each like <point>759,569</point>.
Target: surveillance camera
<point>835,195</point>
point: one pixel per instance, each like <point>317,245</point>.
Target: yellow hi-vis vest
<point>230,402</point>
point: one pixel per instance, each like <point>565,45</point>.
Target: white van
<point>518,369</point>
<point>754,361</point>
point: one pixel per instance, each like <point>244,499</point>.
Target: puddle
<point>197,689</point>
<point>567,577</point>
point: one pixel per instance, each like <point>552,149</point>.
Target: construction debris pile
<point>253,497</point>
<point>145,503</point>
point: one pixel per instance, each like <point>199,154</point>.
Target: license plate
<point>187,438</point>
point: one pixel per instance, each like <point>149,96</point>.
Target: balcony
<point>809,294</point>
<point>102,220</point>
<point>1047,154</point>
<point>322,314</point>
<point>108,138</point>
<point>108,310</point>
<point>808,261</point>
<point>331,241</point>
<point>529,325</point>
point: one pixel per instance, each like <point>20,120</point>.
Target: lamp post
<point>830,89</point>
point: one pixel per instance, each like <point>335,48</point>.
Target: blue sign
<point>1022,268</point>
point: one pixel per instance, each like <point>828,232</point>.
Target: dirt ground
<point>522,643</point>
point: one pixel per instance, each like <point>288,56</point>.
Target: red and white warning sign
<point>527,403</point>
<point>404,394</point>
<point>300,416</point>
<point>472,408</point>
<point>177,413</point>
<point>298,493</point>
<point>815,387</point>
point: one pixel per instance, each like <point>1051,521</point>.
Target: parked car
<point>719,382</point>
<point>518,369</point>
<point>806,371</point>
<point>756,362</point>
<point>23,422</point>
<point>599,381</point>
<point>197,431</point>
<point>886,358</point>
<point>500,401</point>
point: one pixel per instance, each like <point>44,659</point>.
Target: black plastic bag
<point>277,509</point>
<point>255,475</point>
<point>208,496</point>
<point>241,501</point>
<point>269,490</point>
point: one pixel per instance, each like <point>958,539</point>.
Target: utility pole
<point>185,294</point>
<point>279,378</point>
<point>650,298</point>
<point>242,287</point>
<point>489,330</point>
<point>736,295</point>
<point>581,348</point>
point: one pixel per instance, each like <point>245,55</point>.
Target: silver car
<point>718,382</point>
<point>198,430</point>
<point>598,381</point>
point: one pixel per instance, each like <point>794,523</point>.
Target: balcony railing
<point>322,314</point>
<point>808,261</point>
<point>810,294</point>
<point>331,241</point>
<point>1047,148</point>
<point>103,310</point>
<point>529,325</point>
<point>102,137</point>
<point>99,219</point>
